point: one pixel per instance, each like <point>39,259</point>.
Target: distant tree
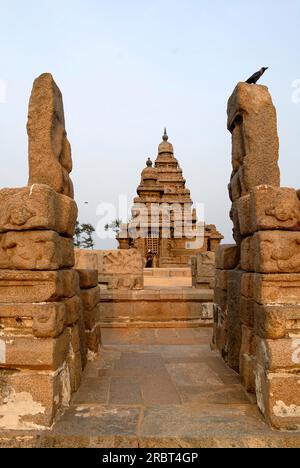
<point>83,238</point>
<point>115,226</point>
<point>77,237</point>
<point>87,231</point>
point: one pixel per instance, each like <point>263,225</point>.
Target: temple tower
<point>164,212</point>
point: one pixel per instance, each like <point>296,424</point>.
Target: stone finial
<point>149,163</point>
<point>165,137</point>
<point>50,160</point>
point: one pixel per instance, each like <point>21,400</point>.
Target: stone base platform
<point>158,389</point>
<point>168,277</point>
<point>160,308</point>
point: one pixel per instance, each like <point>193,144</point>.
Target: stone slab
<point>42,286</point>
<point>35,250</point>
<point>37,207</point>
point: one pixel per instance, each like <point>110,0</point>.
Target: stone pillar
<point>270,254</point>
<point>39,289</point>
<point>258,280</point>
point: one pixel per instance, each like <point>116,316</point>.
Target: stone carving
<point>267,208</point>
<point>50,159</point>
<point>271,252</point>
<point>35,250</point>
<point>118,269</point>
<point>37,207</point>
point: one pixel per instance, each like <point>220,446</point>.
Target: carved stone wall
<point>118,269</point>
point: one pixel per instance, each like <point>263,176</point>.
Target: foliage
<point>83,238</point>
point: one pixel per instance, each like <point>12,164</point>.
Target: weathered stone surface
<point>29,352</point>
<point>233,318</point>
<point>91,317</point>
<point>90,297</point>
<point>220,298</point>
<point>268,208</point>
<point>247,311</point>
<point>271,252</point>
<point>118,269</point>
<point>93,338</point>
<point>37,207</point>
<point>86,260</point>
<point>272,289</point>
<point>29,286</point>
<point>206,264</point>
<point>227,257</point>
<point>88,278</point>
<point>255,146</point>
<point>222,279</point>
<point>75,370</point>
<point>50,160</point>
<point>73,308</point>
<point>36,250</point>
<point>48,319</point>
<point>276,321</point>
<point>278,398</point>
<point>204,282</point>
<point>248,371</point>
<point>279,354</point>
<point>29,400</point>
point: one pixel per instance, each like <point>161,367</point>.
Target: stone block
<point>35,250</point>
<point>255,145</point>
<point>93,339</point>
<point>269,208</point>
<point>73,308</point>
<point>29,400</point>
<point>248,341</point>
<point>42,286</point>
<point>271,252</point>
<point>90,297</point>
<point>37,208</point>
<point>247,311</point>
<point>220,298</point>
<point>281,354</point>
<point>91,317</point>
<point>227,257</point>
<point>204,282</point>
<point>278,397</point>
<point>88,278</point>
<point>75,370</point>
<point>272,288</point>
<point>206,264</point>
<point>48,319</point>
<point>29,352</point>
<point>276,321</point>
<point>50,160</point>
<point>233,318</point>
<point>222,279</point>
<point>248,372</point>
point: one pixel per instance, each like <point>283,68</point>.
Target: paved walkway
<point>162,388</point>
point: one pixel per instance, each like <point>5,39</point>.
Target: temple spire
<point>165,137</point>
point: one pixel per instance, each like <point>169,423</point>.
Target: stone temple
<point>172,233</point>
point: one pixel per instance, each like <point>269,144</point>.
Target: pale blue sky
<point>128,68</point>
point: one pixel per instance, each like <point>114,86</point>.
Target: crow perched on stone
<point>254,78</point>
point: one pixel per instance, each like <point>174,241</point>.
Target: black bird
<point>254,78</point>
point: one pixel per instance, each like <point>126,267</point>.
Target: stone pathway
<point>162,388</point>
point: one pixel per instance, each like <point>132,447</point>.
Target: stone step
<point>156,307</point>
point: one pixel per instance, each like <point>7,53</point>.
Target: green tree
<point>115,226</point>
<point>83,238</point>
